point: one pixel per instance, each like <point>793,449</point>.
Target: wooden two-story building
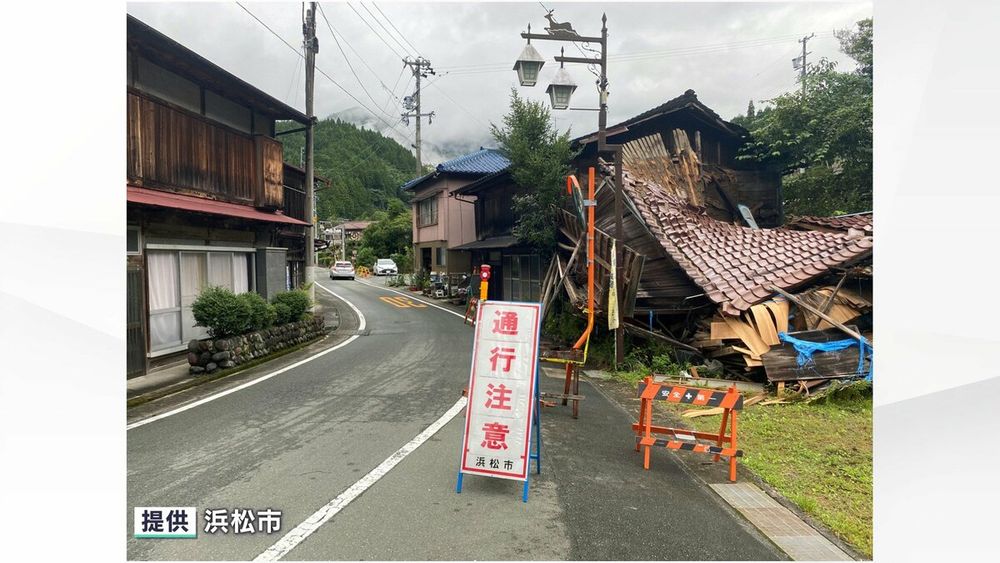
<point>210,202</point>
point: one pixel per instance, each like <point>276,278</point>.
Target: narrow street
<point>299,439</point>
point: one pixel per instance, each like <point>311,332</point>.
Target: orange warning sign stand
<point>680,438</point>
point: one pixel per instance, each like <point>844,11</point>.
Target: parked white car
<point>385,267</point>
<point>341,270</point>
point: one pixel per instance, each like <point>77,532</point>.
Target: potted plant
<point>416,282</point>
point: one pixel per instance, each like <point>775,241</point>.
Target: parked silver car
<point>341,270</point>
<point>385,267</point>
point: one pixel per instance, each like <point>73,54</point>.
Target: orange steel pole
<point>590,259</point>
<point>732,444</point>
<point>590,275</point>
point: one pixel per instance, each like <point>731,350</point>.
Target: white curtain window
<point>194,278</point>
<point>220,269</point>
<point>164,300</point>
<point>241,273</point>
<point>162,280</point>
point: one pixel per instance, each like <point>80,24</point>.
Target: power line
<point>397,29</point>
<point>385,29</point>
<point>392,93</point>
<point>328,77</point>
<point>296,51</point>
<point>409,79</point>
<point>693,50</point>
<point>294,83</point>
<point>373,30</point>
<point>349,65</point>
<point>458,105</point>
<point>373,148</point>
<point>360,57</point>
<point>377,116</point>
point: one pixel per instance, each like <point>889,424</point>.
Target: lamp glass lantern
<point>528,65</point>
<point>561,89</point>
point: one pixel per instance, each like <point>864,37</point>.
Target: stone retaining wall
<point>207,356</point>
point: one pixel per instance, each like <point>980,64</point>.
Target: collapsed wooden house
<point>699,270</point>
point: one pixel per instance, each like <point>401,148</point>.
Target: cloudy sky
<point>729,53</point>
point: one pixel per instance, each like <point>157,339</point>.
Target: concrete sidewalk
<point>176,375</point>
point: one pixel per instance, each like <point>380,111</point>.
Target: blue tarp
<point>807,348</point>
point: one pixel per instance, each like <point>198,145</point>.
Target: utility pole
<point>311,46</point>
<point>421,68</point>
<point>802,68</point>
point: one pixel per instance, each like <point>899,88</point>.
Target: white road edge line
<point>414,298</point>
<point>324,514</point>
<point>361,326</point>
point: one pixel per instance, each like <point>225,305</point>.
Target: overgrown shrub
<point>261,313</point>
<point>295,304</point>
<point>662,363</point>
<point>282,313</point>
<point>224,313</point>
<point>221,311</point>
<point>634,360</point>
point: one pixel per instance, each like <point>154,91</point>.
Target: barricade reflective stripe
<point>692,447</point>
<point>697,396</point>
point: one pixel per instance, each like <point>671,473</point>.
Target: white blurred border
<point>62,282</point>
<point>62,416</point>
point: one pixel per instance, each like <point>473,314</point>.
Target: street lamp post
<point>560,91</point>
<point>343,241</point>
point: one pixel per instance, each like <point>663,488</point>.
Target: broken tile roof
<point>735,265</point>
<point>859,221</point>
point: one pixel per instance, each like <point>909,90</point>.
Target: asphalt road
<point>298,440</point>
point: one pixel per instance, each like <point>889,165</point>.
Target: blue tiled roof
<point>416,181</point>
<point>481,162</point>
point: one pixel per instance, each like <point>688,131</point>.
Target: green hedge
<point>223,312</point>
<point>226,314</point>
<point>291,306</point>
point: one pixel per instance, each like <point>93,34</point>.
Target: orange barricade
<point>682,439</point>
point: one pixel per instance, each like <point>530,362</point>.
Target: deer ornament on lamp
<point>556,28</point>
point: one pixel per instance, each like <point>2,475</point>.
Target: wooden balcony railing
<point>174,149</point>
<point>295,203</point>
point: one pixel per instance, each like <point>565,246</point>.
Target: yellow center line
<point>402,302</point>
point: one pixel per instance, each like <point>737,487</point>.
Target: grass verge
<point>817,455</point>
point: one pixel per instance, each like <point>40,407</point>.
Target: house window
<point>176,278</point>
<point>133,241</point>
<point>428,211</point>
<point>521,277</point>
<point>441,253</point>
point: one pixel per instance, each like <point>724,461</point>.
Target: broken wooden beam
<point>819,313</point>
<point>643,332</point>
